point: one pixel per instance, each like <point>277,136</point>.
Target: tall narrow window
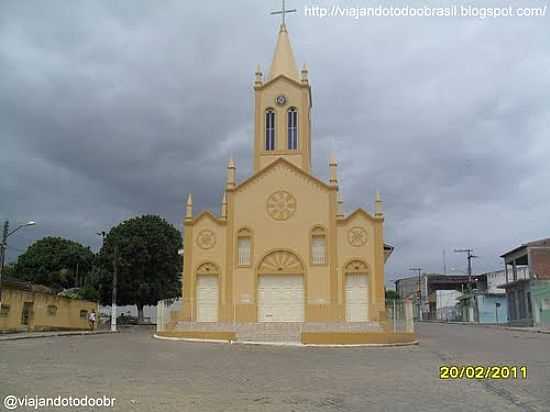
<point>292,128</point>
<point>269,129</point>
<point>318,246</point>
<point>244,247</point>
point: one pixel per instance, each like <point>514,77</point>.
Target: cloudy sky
<point>114,109</point>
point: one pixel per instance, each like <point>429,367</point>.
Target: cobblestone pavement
<point>145,374</point>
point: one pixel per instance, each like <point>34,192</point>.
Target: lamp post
<point>5,234</point>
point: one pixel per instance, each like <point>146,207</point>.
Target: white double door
<point>281,298</point>
<point>357,297</point>
<point>207,298</point>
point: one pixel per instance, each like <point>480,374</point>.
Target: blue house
<point>487,303</point>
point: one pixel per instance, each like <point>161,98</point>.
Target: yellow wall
<point>315,206</point>
<point>67,315</point>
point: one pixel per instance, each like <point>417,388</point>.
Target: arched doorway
<point>356,291</point>
<point>281,288</point>
<point>207,292</point>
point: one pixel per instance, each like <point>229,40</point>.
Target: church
<point>282,249</point>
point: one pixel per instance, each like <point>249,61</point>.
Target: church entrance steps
<point>269,332</point>
<point>289,332</point>
<point>205,326</point>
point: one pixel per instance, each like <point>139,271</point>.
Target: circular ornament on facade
<point>357,236</point>
<point>281,205</point>
<point>280,99</point>
<point>206,239</point>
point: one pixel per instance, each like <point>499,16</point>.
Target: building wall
<point>498,278</point>
<point>540,295</point>
<point>66,316</point>
<point>540,262</point>
<point>316,207</point>
<point>519,308</point>
<point>407,287</point>
<point>488,311</point>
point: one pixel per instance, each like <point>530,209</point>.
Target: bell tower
<point>282,109</point>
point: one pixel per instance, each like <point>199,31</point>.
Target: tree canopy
<point>54,262</point>
<point>149,266</point>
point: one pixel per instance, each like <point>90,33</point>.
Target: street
<point>146,374</point>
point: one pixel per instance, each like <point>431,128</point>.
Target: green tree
<point>391,294</point>
<point>55,262</point>
<point>149,266</point>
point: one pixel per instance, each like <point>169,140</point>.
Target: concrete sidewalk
<point>492,326</point>
<point>34,335</point>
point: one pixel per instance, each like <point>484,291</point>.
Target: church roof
<point>283,59</point>
<point>282,160</point>
<point>359,211</point>
<point>207,214</point>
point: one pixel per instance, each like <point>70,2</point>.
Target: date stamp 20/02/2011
<point>482,372</point>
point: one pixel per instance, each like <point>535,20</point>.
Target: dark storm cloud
<point>111,109</point>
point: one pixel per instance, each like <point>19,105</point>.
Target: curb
<point>53,335</point>
<point>287,344</point>
<point>490,326</point>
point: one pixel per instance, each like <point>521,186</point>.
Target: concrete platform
<point>309,333</point>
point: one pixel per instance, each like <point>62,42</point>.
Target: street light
<point>5,235</point>
<point>115,280</point>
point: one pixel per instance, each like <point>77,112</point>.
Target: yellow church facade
<point>282,248</point>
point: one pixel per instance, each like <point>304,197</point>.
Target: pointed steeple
<point>283,58</point>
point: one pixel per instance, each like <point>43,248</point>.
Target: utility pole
<point>3,254</point>
<point>469,255</point>
<point>419,292</point>
<point>115,278</point>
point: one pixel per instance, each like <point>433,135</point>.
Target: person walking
<point>92,319</point>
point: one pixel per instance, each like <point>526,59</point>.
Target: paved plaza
<point>146,374</point>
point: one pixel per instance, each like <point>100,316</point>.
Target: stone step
<point>277,331</point>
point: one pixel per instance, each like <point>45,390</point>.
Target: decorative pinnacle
<point>259,75</point>
<point>224,206</point>
<point>305,72</point>
<point>378,205</point>
<point>340,202</point>
<point>230,184</point>
<point>189,207</point>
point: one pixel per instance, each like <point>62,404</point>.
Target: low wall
<point>45,311</point>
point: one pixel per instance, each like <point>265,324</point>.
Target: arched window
<point>318,246</point>
<point>244,247</point>
<point>270,129</point>
<point>292,117</point>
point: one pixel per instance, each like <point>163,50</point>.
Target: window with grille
<point>318,250</point>
<point>292,128</point>
<point>244,251</point>
<point>270,129</point>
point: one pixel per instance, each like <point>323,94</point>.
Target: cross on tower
<point>283,11</point>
